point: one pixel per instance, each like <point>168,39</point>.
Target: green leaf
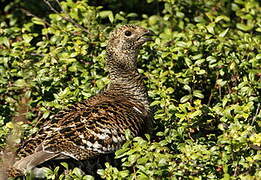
<point>187,87</point>
<point>181,44</point>
<point>121,152</point>
<point>198,93</point>
<point>150,1</point>
<point>210,28</point>
<point>20,83</point>
<point>77,172</point>
<point>27,38</point>
<point>188,62</point>
<point>68,60</point>
<point>185,98</point>
<point>211,59</point>
<point>244,27</point>
<point>124,174</point>
<point>154,103</point>
<point>108,14</point>
<point>222,17</point>
<point>142,160</point>
<point>5,41</point>
<point>65,165</point>
<point>198,56</point>
<point>38,21</point>
<point>223,34</point>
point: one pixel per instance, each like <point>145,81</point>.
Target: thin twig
<point>257,111</point>
<point>28,13</point>
<point>210,98</point>
<point>67,17</point>
<point>35,54</point>
<point>58,2</point>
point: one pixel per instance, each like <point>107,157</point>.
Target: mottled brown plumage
<point>96,126</point>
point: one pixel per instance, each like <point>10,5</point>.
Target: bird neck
<point>127,81</point>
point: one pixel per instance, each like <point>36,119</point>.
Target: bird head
<point>124,44</point>
<point>129,37</point>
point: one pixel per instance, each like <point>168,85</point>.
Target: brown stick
<point>67,17</point>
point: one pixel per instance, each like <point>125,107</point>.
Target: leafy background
<point>202,72</point>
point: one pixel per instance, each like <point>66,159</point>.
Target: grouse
<point>96,126</point>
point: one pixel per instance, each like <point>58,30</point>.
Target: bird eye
<point>127,33</point>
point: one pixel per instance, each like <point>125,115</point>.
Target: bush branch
<point>67,17</point>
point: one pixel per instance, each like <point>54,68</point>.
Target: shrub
<point>202,72</point>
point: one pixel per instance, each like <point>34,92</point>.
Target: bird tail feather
<point>27,163</point>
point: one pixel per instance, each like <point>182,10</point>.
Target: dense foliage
<point>202,72</point>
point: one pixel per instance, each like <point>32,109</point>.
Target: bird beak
<point>147,35</point>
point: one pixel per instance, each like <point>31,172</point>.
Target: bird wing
<point>83,131</point>
<point>97,128</point>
